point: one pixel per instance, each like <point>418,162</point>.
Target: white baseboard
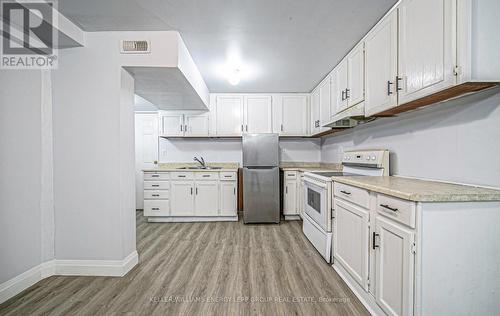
<point>192,219</point>
<point>23,281</point>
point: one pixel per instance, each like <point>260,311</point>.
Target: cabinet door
<point>228,198</point>
<point>324,101</point>
<point>335,94</point>
<point>229,115</point>
<point>172,124</point>
<point>427,49</point>
<point>258,114</point>
<point>206,201</point>
<point>290,200</point>
<point>356,75</point>
<point>394,267</point>
<point>294,115</point>
<point>182,198</point>
<point>381,51</point>
<point>196,125</point>
<point>315,121</point>
<point>350,247</point>
<point>341,84</point>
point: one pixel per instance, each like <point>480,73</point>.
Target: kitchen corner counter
<point>309,166</point>
<point>421,190</point>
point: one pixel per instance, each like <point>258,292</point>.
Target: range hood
<point>349,117</point>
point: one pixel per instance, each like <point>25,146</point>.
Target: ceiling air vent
<point>135,47</point>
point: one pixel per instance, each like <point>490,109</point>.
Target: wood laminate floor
<point>203,269</point>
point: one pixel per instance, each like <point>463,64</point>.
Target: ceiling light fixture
<point>234,77</point>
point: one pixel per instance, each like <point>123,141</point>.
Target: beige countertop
<point>422,190</point>
<point>174,166</point>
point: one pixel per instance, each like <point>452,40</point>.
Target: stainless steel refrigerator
<point>261,196</point>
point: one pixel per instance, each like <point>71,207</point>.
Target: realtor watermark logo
<point>29,34</point>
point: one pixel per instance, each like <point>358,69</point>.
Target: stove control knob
<point>367,157</point>
<point>374,158</point>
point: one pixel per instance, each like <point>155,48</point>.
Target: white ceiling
<point>283,45</point>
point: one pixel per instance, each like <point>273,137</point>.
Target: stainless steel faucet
<point>201,162</point>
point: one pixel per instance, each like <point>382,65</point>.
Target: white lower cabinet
<point>290,198</point>
<point>188,196</point>
<point>350,239</point>
<point>394,267</point>
<point>228,198</point>
<point>206,200</point>
<point>402,257</point>
<point>182,198</point>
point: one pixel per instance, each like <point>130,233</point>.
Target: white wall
<point>230,150</point>
<point>20,172</point>
<point>94,151</point>
<point>455,141</point>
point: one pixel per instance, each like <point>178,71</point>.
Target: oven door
<point>316,204</point>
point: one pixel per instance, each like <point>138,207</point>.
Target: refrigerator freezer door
<point>260,150</point>
<point>261,197</point>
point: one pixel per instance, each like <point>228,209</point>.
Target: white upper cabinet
<point>427,50</point>
<point>258,114</point>
<point>341,84</point>
<point>355,92</point>
<point>294,115</point>
<point>381,51</point>
<point>172,124</point>
<point>315,117</point>
<point>196,125</point>
<point>324,101</point>
<point>229,115</point>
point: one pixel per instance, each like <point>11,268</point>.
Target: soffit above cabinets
<point>166,88</point>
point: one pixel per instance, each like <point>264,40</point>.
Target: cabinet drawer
<point>156,185</point>
<point>352,194</point>
<point>156,208</point>
<point>156,176</point>
<point>290,175</point>
<point>228,176</point>
<point>181,176</point>
<point>402,211</point>
<point>206,175</point>
<point>156,194</point>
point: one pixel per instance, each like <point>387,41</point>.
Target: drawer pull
<point>155,185</point>
<point>346,193</point>
<point>374,242</point>
<point>388,207</point>
<point>206,175</point>
<point>155,195</point>
<point>155,208</point>
<point>181,176</point>
<point>155,175</point>
<point>228,176</point>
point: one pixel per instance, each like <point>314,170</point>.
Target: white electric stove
<point>318,187</point>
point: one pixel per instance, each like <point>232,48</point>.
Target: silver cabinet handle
<point>282,127</point>
<point>242,127</point>
<point>181,176</point>
<point>398,87</point>
<point>185,128</point>
<point>345,192</point>
<point>155,208</point>
<point>374,242</point>
<point>155,185</point>
<point>196,191</point>
<point>246,127</point>
<point>343,92</point>
<point>156,195</point>
<point>191,191</point>
<point>347,95</point>
<point>206,175</point>
<point>388,207</point>
<point>227,176</point>
<point>389,83</point>
<point>181,128</point>
<point>286,190</point>
<point>155,175</point>
<point>234,191</point>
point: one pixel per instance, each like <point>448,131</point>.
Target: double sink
<point>200,168</point>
